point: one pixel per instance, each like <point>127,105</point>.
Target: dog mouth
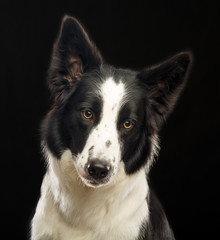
<point>96,183</point>
<point>90,179</point>
<point>90,182</point>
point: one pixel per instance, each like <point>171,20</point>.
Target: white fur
<point>68,209</point>
<point>112,95</point>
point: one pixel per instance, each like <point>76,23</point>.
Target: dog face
<point>108,118</point>
<point>105,123</point>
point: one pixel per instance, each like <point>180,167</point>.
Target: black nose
<point>98,169</point>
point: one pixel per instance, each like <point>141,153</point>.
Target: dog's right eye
<point>87,114</point>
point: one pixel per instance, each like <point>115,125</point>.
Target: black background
<point>130,34</point>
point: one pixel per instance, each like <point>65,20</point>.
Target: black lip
<point>95,182</point>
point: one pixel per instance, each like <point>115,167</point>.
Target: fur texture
<point>100,139</point>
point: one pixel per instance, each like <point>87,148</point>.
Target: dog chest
<point>111,214</point>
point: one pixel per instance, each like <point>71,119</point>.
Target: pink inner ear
<point>160,88</point>
<point>75,68</point>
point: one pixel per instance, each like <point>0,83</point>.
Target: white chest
<point>88,214</point>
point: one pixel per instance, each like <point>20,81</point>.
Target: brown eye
<point>87,115</point>
<point>128,124</point>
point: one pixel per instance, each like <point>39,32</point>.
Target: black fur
<point>76,69</point>
<point>157,227</point>
<point>73,53</point>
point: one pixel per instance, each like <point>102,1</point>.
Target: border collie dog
<point>100,139</point>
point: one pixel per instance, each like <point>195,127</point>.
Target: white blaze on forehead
<point>103,141</point>
<point>112,94</point>
<point>105,137</point>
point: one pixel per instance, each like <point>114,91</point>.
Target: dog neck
<point>78,203</point>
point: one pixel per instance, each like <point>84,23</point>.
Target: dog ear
<point>164,83</point>
<point>73,54</point>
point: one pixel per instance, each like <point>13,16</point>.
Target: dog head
<point>108,118</point>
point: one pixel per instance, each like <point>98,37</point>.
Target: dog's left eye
<point>128,124</point>
<point>87,114</point>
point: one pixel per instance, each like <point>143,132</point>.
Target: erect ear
<point>73,54</point>
<point>164,83</point>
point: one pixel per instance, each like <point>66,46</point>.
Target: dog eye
<point>87,114</point>
<point>128,124</point>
